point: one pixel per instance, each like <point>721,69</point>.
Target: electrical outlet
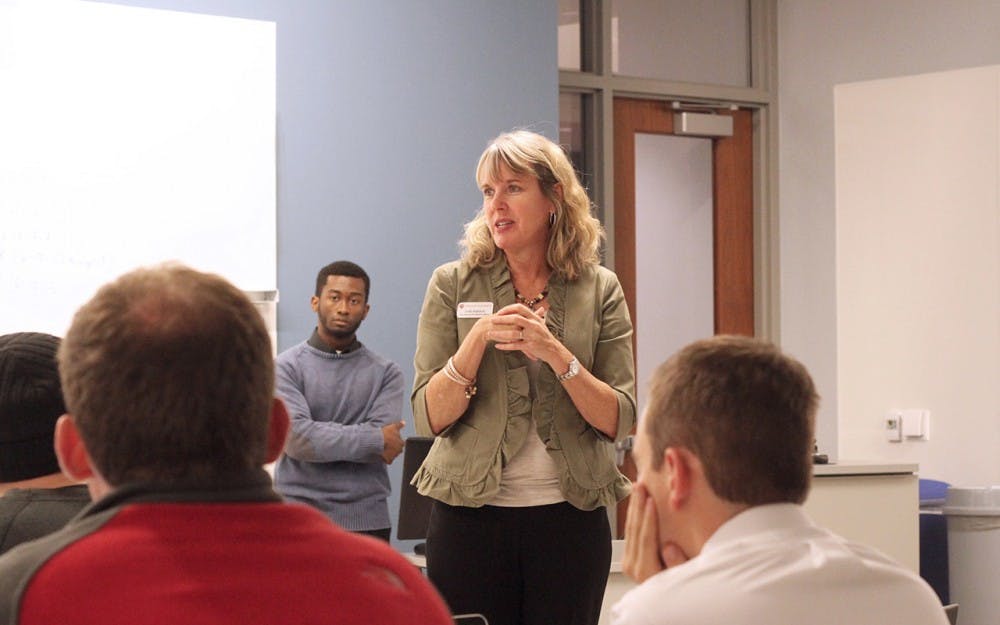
<point>894,427</point>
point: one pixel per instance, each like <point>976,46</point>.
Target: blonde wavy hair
<point>575,237</point>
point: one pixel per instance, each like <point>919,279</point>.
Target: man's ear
<point>74,459</point>
<point>277,429</point>
<point>679,475</point>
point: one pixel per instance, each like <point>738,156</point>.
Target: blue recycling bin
<point>934,538</point>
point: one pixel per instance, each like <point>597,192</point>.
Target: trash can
<point>934,537</point>
<point>973,551</point>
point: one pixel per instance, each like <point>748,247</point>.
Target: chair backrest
<point>471,619</point>
<point>414,508</point>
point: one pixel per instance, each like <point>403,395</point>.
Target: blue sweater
<point>338,404</point>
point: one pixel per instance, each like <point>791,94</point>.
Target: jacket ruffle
<point>473,495</point>
<point>591,498</point>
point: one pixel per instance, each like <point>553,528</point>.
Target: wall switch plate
<point>894,427</point>
<point>916,424</point>
<point>908,425</point>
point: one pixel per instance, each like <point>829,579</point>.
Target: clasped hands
<point>645,553</point>
<point>518,328</point>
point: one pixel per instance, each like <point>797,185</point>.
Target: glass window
<point>569,35</point>
<point>674,243</point>
<point>703,41</point>
<point>574,118</point>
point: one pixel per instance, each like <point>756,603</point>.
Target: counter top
<point>853,467</point>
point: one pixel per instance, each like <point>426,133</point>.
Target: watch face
<point>574,368</point>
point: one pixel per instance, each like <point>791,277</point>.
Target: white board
<point>130,136</point>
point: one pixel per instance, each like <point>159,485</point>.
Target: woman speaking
<point>524,373</point>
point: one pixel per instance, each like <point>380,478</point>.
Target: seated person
<point>715,531</point>
<point>35,497</point>
<point>169,384</point>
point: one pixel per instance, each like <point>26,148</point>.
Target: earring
<point>552,219</point>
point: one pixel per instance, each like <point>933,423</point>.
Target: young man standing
<point>345,402</point>
<point>715,530</point>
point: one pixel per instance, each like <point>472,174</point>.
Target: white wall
<point>918,268</point>
<point>822,44</point>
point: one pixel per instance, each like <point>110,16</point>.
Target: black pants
<point>383,534</point>
<point>542,565</point>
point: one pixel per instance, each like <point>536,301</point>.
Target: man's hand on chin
<point>645,556</point>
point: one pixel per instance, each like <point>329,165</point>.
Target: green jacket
<point>590,317</point>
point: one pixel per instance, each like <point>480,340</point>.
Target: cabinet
<point>874,504</point>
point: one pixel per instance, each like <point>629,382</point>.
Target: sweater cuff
<point>372,443</point>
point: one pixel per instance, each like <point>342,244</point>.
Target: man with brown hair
<point>715,531</point>
<point>169,384</point>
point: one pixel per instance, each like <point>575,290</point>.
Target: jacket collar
<point>254,486</point>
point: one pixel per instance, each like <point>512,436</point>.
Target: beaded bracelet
<point>451,372</point>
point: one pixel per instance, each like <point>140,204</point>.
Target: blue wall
<point>383,109</point>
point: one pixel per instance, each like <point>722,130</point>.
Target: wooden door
<point>732,219</point>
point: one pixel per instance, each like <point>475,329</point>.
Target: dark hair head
<point>31,402</point>
<point>746,410</point>
<point>342,268</point>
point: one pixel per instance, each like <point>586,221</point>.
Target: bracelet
<point>451,372</point>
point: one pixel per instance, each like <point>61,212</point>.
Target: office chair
<point>414,508</point>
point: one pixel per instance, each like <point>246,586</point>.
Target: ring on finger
<point>522,334</point>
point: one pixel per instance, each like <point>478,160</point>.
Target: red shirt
<point>221,563</point>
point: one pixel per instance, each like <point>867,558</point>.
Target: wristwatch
<point>574,368</point>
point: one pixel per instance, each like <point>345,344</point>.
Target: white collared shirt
<point>770,565</point>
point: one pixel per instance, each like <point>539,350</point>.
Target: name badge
<point>474,310</point>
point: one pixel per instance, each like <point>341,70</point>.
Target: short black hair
<point>31,401</point>
<point>342,268</point>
